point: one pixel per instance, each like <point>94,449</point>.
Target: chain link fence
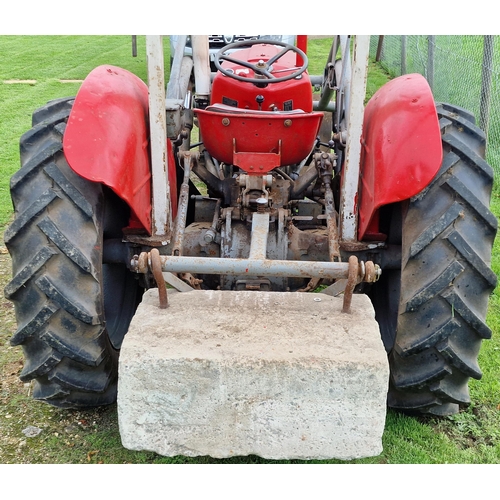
<point>461,69</point>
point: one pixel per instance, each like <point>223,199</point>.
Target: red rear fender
<point>107,138</point>
<point>401,147</point>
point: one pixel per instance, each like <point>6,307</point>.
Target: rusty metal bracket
<point>154,258</point>
<point>352,279</point>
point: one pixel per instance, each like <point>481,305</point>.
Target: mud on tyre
<point>72,309</point>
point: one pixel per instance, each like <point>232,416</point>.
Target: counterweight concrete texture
<point>278,375</point>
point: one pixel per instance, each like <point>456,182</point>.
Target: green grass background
<point>473,436</point>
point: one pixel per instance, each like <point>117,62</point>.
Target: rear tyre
<point>72,309</point>
<point>440,308</point>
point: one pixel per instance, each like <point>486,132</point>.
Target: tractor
<point>244,179</point>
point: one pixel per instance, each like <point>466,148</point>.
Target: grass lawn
<point>54,67</point>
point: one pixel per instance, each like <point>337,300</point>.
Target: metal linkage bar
<point>325,164</point>
<point>201,61</point>
<point>173,89</point>
<point>260,231</point>
<point>253,267</point>
<point>180,223</point>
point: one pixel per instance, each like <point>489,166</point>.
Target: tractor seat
<point>257,141</point>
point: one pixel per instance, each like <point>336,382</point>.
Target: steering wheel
<point>263,68</point>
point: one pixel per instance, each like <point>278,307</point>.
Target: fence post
<point>134,45</point>
<point>403,54</point>
<point>379,48</point>
<point>431,43</point>
<point>486,78</point>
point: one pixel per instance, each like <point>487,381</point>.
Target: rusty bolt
<point>226,122</point>
<point>372,272</point>
<point>288,122</point>
<point>142,264</point>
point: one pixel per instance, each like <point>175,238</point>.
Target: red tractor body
<point>401,148</point>
<point>276,192</point>
<point>257,129</point>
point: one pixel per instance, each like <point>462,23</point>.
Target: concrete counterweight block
<point>278,375</point>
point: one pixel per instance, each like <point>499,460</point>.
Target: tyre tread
<point>54,107</point>
<point>446,276</point>
<point>67,351</point>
